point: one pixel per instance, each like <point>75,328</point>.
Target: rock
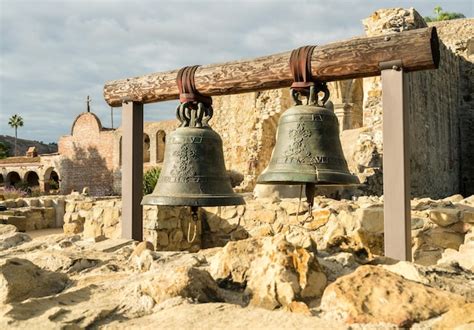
<point>282,274</point>
<point>235,259</point>
<point>21,279</point>
<point>392,20</point>
<point>444,238</point>
<point>7,229</point>
<point>389,297</point>
<point>13,239</point>
<point>444,217</point>
<point>454,198</point>
<point>184,281</point>
<point>467,216</point>
<point>298,307</point>
<point>370,219</point>
<point>464,257</point>
<point>141,258</point>
<point>457,318</point>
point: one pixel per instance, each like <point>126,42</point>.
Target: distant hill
<point>23,145</point>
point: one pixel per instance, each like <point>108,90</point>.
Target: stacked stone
<point>94,218</point>
<point>171,228</point>
<point>32,213</point>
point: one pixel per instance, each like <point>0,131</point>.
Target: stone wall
<point>87,156</point>
<point>33,213</point>
<point>94,217</point>
<point>352,226</point>
<point>438,151</point>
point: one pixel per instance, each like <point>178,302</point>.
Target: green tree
<point>15,122</point>
<point>150,178</point>
<point>443,15</point>
<point>3,150</point>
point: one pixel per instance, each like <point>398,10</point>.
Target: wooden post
<point>132,170</point>
<point>396,162</point>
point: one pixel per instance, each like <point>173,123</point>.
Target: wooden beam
<point>359,57</point>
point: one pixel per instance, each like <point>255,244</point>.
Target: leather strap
<point>300,66</point>
<point>187,88</point>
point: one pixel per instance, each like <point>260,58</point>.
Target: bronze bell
<point>193,172</point>
<point>308,150</point>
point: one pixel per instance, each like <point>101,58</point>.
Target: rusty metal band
<point>187,87</point>
<point>300,66</point>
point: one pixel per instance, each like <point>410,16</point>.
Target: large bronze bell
<point>193,172</point>
<point>308,150</point>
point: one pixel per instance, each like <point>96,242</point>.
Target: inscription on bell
<point>186,139</point>
<point>311,160</point>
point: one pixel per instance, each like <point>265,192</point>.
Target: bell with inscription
<point>308,150</point>
<point>193,172</point>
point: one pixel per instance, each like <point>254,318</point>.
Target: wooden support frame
<point>389,55</point>
<point>132,170</point>
<point>396,162</point>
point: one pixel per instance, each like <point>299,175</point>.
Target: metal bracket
<point>393,65</point>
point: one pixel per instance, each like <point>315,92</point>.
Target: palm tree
<point>15,122</point>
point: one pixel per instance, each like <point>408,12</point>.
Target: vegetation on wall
<point>443,15</point>
<point>150,178</point>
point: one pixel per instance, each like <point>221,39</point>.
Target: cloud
<point>55,53</point>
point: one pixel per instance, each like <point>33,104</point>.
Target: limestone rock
<point>457,318</point>
<point>284,273</point>
<point>21,279</point>
<point>235,259</point>
<point>389,297</point>
<point>12,239</point>
<point>392,20</point>
<point>7,229</point>
<point>444,217</point>
<point>185,281</point>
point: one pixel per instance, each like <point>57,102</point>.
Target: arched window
<point>32,179</point>
<point>146,148</point>
<point>160,146</point>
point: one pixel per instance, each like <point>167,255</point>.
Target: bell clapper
<point>309,192</point>
<point>195,218</point>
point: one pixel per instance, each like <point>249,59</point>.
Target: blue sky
<point>55,53</point>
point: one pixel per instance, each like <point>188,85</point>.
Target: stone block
<point>444,216</point>
<point>371,219</point>
<point>70,206</point>
<point>92,229</point>
<point>33,202</point>
<point>47,203</point>
<point>73,228</point>
<point>170,223</point>
<point>21,222</point>
<point>162,238</point>
<point>443,238</point>
<point>97,212</point>
<point>467,216</point>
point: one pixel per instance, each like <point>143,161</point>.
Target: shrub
<point>150,178</point>
<point>13,193</point>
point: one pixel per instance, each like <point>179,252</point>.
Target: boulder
<point>185,281</point>
<point>21,279</point>
<point>7,229</point>
<point>13,239</point>
<point>444,216</point>
<point>457,318</point>
<point>373,294</point>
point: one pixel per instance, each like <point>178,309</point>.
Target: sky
<point>54,53</point>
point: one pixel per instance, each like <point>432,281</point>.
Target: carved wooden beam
<point>355,58</point>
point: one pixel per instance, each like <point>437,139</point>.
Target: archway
<point>13,179</point>
<point>160,146</point>
<point>51,180</point>
<point>146,148</point>
<point>2,182</point>
<point>32,179</point>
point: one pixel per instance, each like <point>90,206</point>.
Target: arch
<point>146,148</point>
<point>160,146</point>
<point>2,181</point>
<point>31,178</point>
<point>51,180</point>
<point>84,122</point>
<point>13,179</point>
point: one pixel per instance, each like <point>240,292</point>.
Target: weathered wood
<point>354,58</point>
